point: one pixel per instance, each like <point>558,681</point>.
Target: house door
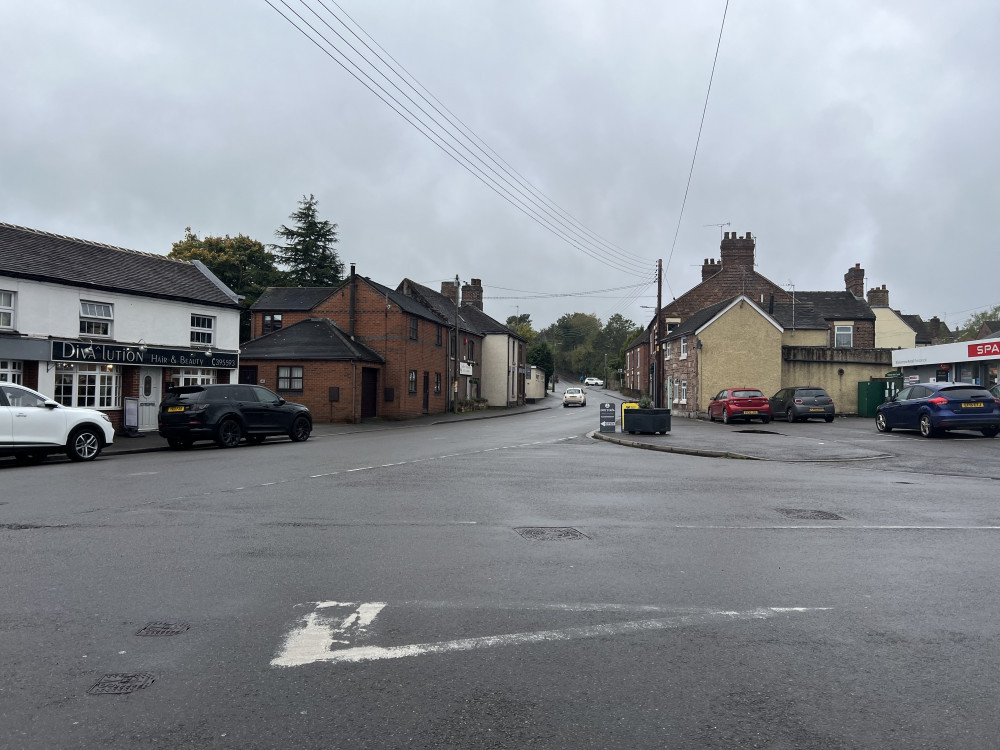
<point>149,397</point>
<point>427,392</point>
<point>369,392</point>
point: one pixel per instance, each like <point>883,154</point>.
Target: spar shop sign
<point>988,349</point>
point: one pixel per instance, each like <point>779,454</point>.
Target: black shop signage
<point>122,354</point>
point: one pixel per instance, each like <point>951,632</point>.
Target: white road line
<point>833,527</point>
<point>313,641</point>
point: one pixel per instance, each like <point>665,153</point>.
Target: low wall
<point>837,370</point>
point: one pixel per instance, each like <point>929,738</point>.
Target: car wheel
<point>300,429</point>
<point>256,439</point>
<point>926,428</point>
<point>880,423</point>
<point>828,419</point>
<point>725,416</point>
<point>711,417</point>
<point>84,444</point>
<point>179,444</point>
<point>30,459</point>
<point>991,431</point>
<point>765,420</point>
<point>789,415</point>
<point>565,405</point>
<point>229,434</point>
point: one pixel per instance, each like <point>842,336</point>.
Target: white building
<point>93,325</point>
<point>974,362</point>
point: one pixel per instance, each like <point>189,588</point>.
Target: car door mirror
<point>281,401</point>
<point>50,404</point>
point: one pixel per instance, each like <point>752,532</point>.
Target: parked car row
<point>33,426</point>
<point>794,404</point>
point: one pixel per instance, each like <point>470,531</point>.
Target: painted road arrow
<point>327,632</point>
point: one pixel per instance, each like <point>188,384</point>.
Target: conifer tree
<point>308,252</point>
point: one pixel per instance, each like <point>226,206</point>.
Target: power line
<point>444,138</point>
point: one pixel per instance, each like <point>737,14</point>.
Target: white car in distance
<point>594,381</point>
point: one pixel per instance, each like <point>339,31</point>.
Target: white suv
<point>33,426</point>
<point>594,381</point>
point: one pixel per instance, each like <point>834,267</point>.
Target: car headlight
<point>105,417</point>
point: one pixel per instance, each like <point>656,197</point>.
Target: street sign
<point>607,416</point>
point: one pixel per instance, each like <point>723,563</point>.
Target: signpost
<point>607,415</point>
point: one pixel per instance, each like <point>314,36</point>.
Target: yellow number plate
<point>745,411</point>
<point>175,408</point>
<point>977,404</point>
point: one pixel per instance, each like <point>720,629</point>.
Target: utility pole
<point>454,386</point>
<point>658,367</point>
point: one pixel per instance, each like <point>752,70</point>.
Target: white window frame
<point>684,348</point>
<point>290,377</point>
<point>94,314</point>
<point>667,347</point>
<point>195,376</point>
<point>843,330</point>
<point>11,371</point>
<point>7,300</point>
<point>91,386</point>
<point>202,329</point>
<point>684,391</point>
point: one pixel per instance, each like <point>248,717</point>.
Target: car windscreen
<point>966,393</point>
<point>747,394</point>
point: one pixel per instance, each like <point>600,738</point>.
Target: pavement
<point>800,442</point>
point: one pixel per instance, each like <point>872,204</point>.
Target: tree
<point>970,329</point>
<point>241,263</point>
<point>309,253</point>
<point>539,354</point>
<point>521,325</point>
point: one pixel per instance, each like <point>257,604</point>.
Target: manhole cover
<point>758,432</point>
<point>120,684</point>
<point>551,533</point>
<point>810,515</point>
<point>162,628</point>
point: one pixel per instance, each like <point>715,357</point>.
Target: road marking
<point>322,638</point>
<point>837,527</point>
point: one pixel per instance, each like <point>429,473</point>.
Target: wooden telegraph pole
<point>658,350</point>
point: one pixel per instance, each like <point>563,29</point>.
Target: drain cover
<point>120,684</point>
<point>758,432</point>
<point>810,515</point>
<point>550,533</point>
<point>162,628</point>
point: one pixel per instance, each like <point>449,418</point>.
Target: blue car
<point>933,408</point>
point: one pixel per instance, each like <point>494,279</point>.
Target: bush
<point>645,403</point>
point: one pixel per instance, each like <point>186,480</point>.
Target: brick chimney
<point>878,297</point>
<point>710,268</point>
<point>855,280</point>
<point>450,290</point>
<point>472,294</point>
<point>736,251</point>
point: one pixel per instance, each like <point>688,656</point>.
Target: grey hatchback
<point>801,403</point>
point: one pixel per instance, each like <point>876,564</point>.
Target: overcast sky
<point>855,131</point>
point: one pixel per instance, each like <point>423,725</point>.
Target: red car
<point>739,403</point>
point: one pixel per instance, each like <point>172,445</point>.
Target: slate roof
<point>289,298</point>
<point>41,256</point>
<point>312,338</point>
<point>989,328</point>
<point>407,304</point>
<point>700,318</point>
<point>920,327</point>
<point>801,315</point>
<point>470,318</point>
<point>837,305</point>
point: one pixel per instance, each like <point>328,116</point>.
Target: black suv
<point>227,414</point>
<point>802,403</point>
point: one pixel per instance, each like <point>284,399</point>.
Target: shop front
<point>111,376</point>
<point>973,362</point>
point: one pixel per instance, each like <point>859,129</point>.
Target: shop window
<point>96,319</point>
<point>272,323</point>
<point>6,309</point>
<point>195,376</point>
<point>202,329</point>
<point>843,337</point>
<point>11,371</point>
<point>413,381</point>
<point>94,386</point>
<point>289,378</point>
